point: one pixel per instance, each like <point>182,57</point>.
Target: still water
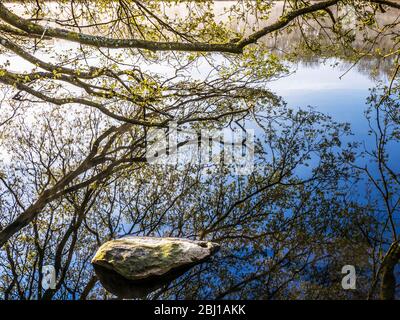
<point>331,86</point>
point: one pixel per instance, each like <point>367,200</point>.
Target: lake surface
<point>331,86</point>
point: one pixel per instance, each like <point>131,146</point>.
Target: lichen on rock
<point>142,264</point>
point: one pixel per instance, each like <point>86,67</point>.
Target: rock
<point>132,267</point>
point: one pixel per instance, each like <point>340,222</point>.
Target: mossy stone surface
<point>137,258</point>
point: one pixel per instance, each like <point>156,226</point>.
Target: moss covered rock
<point>134,266</point>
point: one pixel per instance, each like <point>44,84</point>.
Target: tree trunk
<point>388,284</point>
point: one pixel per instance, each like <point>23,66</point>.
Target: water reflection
<point>261,262</point>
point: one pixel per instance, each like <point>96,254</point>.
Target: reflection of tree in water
<point>252,217</point>
<point>373,67</point>
<point>75,126</point>
<point>370,48</point>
